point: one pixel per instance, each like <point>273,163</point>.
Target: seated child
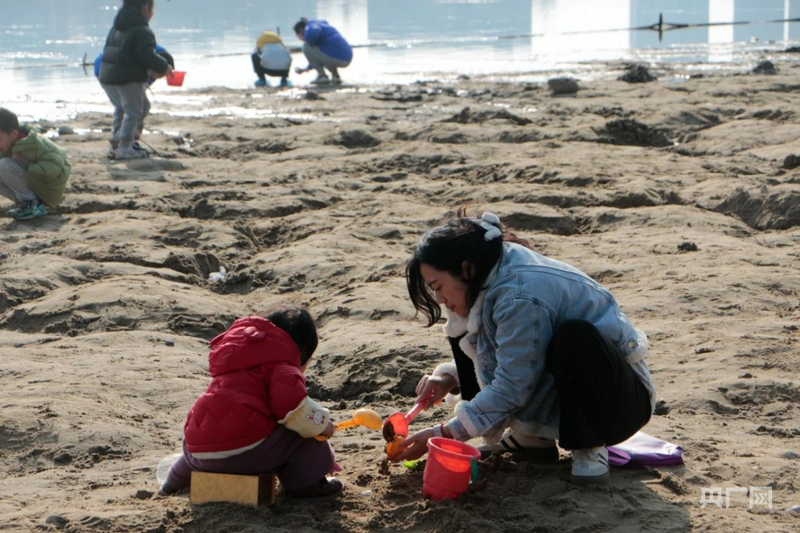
<point>255,416</point>
<point>33,169</point>
<point>271,58</point>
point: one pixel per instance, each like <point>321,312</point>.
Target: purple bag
<point>645,450</point>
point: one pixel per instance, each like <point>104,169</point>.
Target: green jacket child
<point>44,164</point>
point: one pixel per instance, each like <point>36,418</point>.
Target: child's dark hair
<point>445,248</point>
<point>300,27</point>
<point>8,121</point>
<point>299,324</point>
<point>137,4</point>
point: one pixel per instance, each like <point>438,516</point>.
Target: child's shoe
<point>286,83</point>
<point>326,488</point>
<point>261,83</point>
<point>590,465</point>
<point>130,153</point>
<point>29,210</point>
<point>528,447</point>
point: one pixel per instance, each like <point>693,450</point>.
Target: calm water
<point>44,41</point>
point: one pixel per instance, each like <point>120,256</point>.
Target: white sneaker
<point>530,447</point>
<point>130,153</point>
<point>590,465</point>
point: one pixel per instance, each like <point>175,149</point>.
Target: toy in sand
<point>361,417</point>
<point>397,424</point>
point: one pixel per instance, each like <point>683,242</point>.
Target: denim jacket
<point>508,331</point>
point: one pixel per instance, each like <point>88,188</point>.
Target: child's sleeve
<point>290,403</point>
<point>146,53</point>
<point>47,168</point>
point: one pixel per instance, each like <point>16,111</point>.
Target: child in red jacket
<point>256,416</point>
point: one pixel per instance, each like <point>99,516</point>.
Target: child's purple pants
<point>298,462</point>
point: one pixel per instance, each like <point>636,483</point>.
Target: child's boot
<point>261,83</point>
<point>590,465</point>
<point>326,488</point>
<point>285,82</point>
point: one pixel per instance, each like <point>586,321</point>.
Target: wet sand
<point>677,196</point>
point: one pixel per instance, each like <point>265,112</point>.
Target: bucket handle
<point>474,477</point>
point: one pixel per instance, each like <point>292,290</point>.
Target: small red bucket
<point>450,467</point>
<point>176,80</point>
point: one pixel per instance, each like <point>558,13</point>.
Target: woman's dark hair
<point>445,248</point>
<point>299,324</point>
<point>137,4</point>
<point>8,121</point>
<point>301,25</point>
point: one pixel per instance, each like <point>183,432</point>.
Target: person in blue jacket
<point>325,48</point>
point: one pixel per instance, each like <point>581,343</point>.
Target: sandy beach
<point>677,195</point>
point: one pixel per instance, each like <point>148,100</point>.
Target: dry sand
<point>107,308</point>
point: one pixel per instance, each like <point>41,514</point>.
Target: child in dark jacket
<point>128,55</point>
<point>255,416</point>
<point>33,169</point>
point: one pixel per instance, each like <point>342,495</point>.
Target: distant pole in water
<point>278,29</point>
<point>660,26</point>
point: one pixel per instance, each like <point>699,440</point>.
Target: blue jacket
<point>509,328</point>
<point>328,39</point>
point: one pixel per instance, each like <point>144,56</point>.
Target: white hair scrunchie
<point>490,222</point>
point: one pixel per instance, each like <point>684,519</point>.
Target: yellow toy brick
<point>245,490</point>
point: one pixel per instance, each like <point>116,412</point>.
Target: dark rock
<point>661,408</point>
<point>169,343</point>
<point>790,455</point>
<point>627,131</point>
<point>687,247</point>
<point>563,85</point>
<point>792,50</point>
<point>143,494</point>
<point>56,520</point>
<point>637,74</point>
<point>791,161</point>
<point>355,139</point>
<point>467,116</point>
<point>63,458</point>
<point>65,130</point>
<point>765,67</point>
<point>311,95</point>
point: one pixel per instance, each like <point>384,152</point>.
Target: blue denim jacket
<point>529,298</point>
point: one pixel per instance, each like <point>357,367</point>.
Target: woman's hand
<point>434,388</point>
<point>415,446</point>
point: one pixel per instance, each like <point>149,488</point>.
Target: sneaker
<point>590,465</point>
<point>29,210</point>
<point>336,80</point>
<point>326,488</point>
<point>286,83</point>
<point>130,153</point>
<point>321,80</point>
<point>261,83</point>
<point>528,447</point>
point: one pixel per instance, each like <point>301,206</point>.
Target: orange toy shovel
<point>362,417</point>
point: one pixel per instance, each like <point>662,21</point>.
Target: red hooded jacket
<point>256,381</point>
